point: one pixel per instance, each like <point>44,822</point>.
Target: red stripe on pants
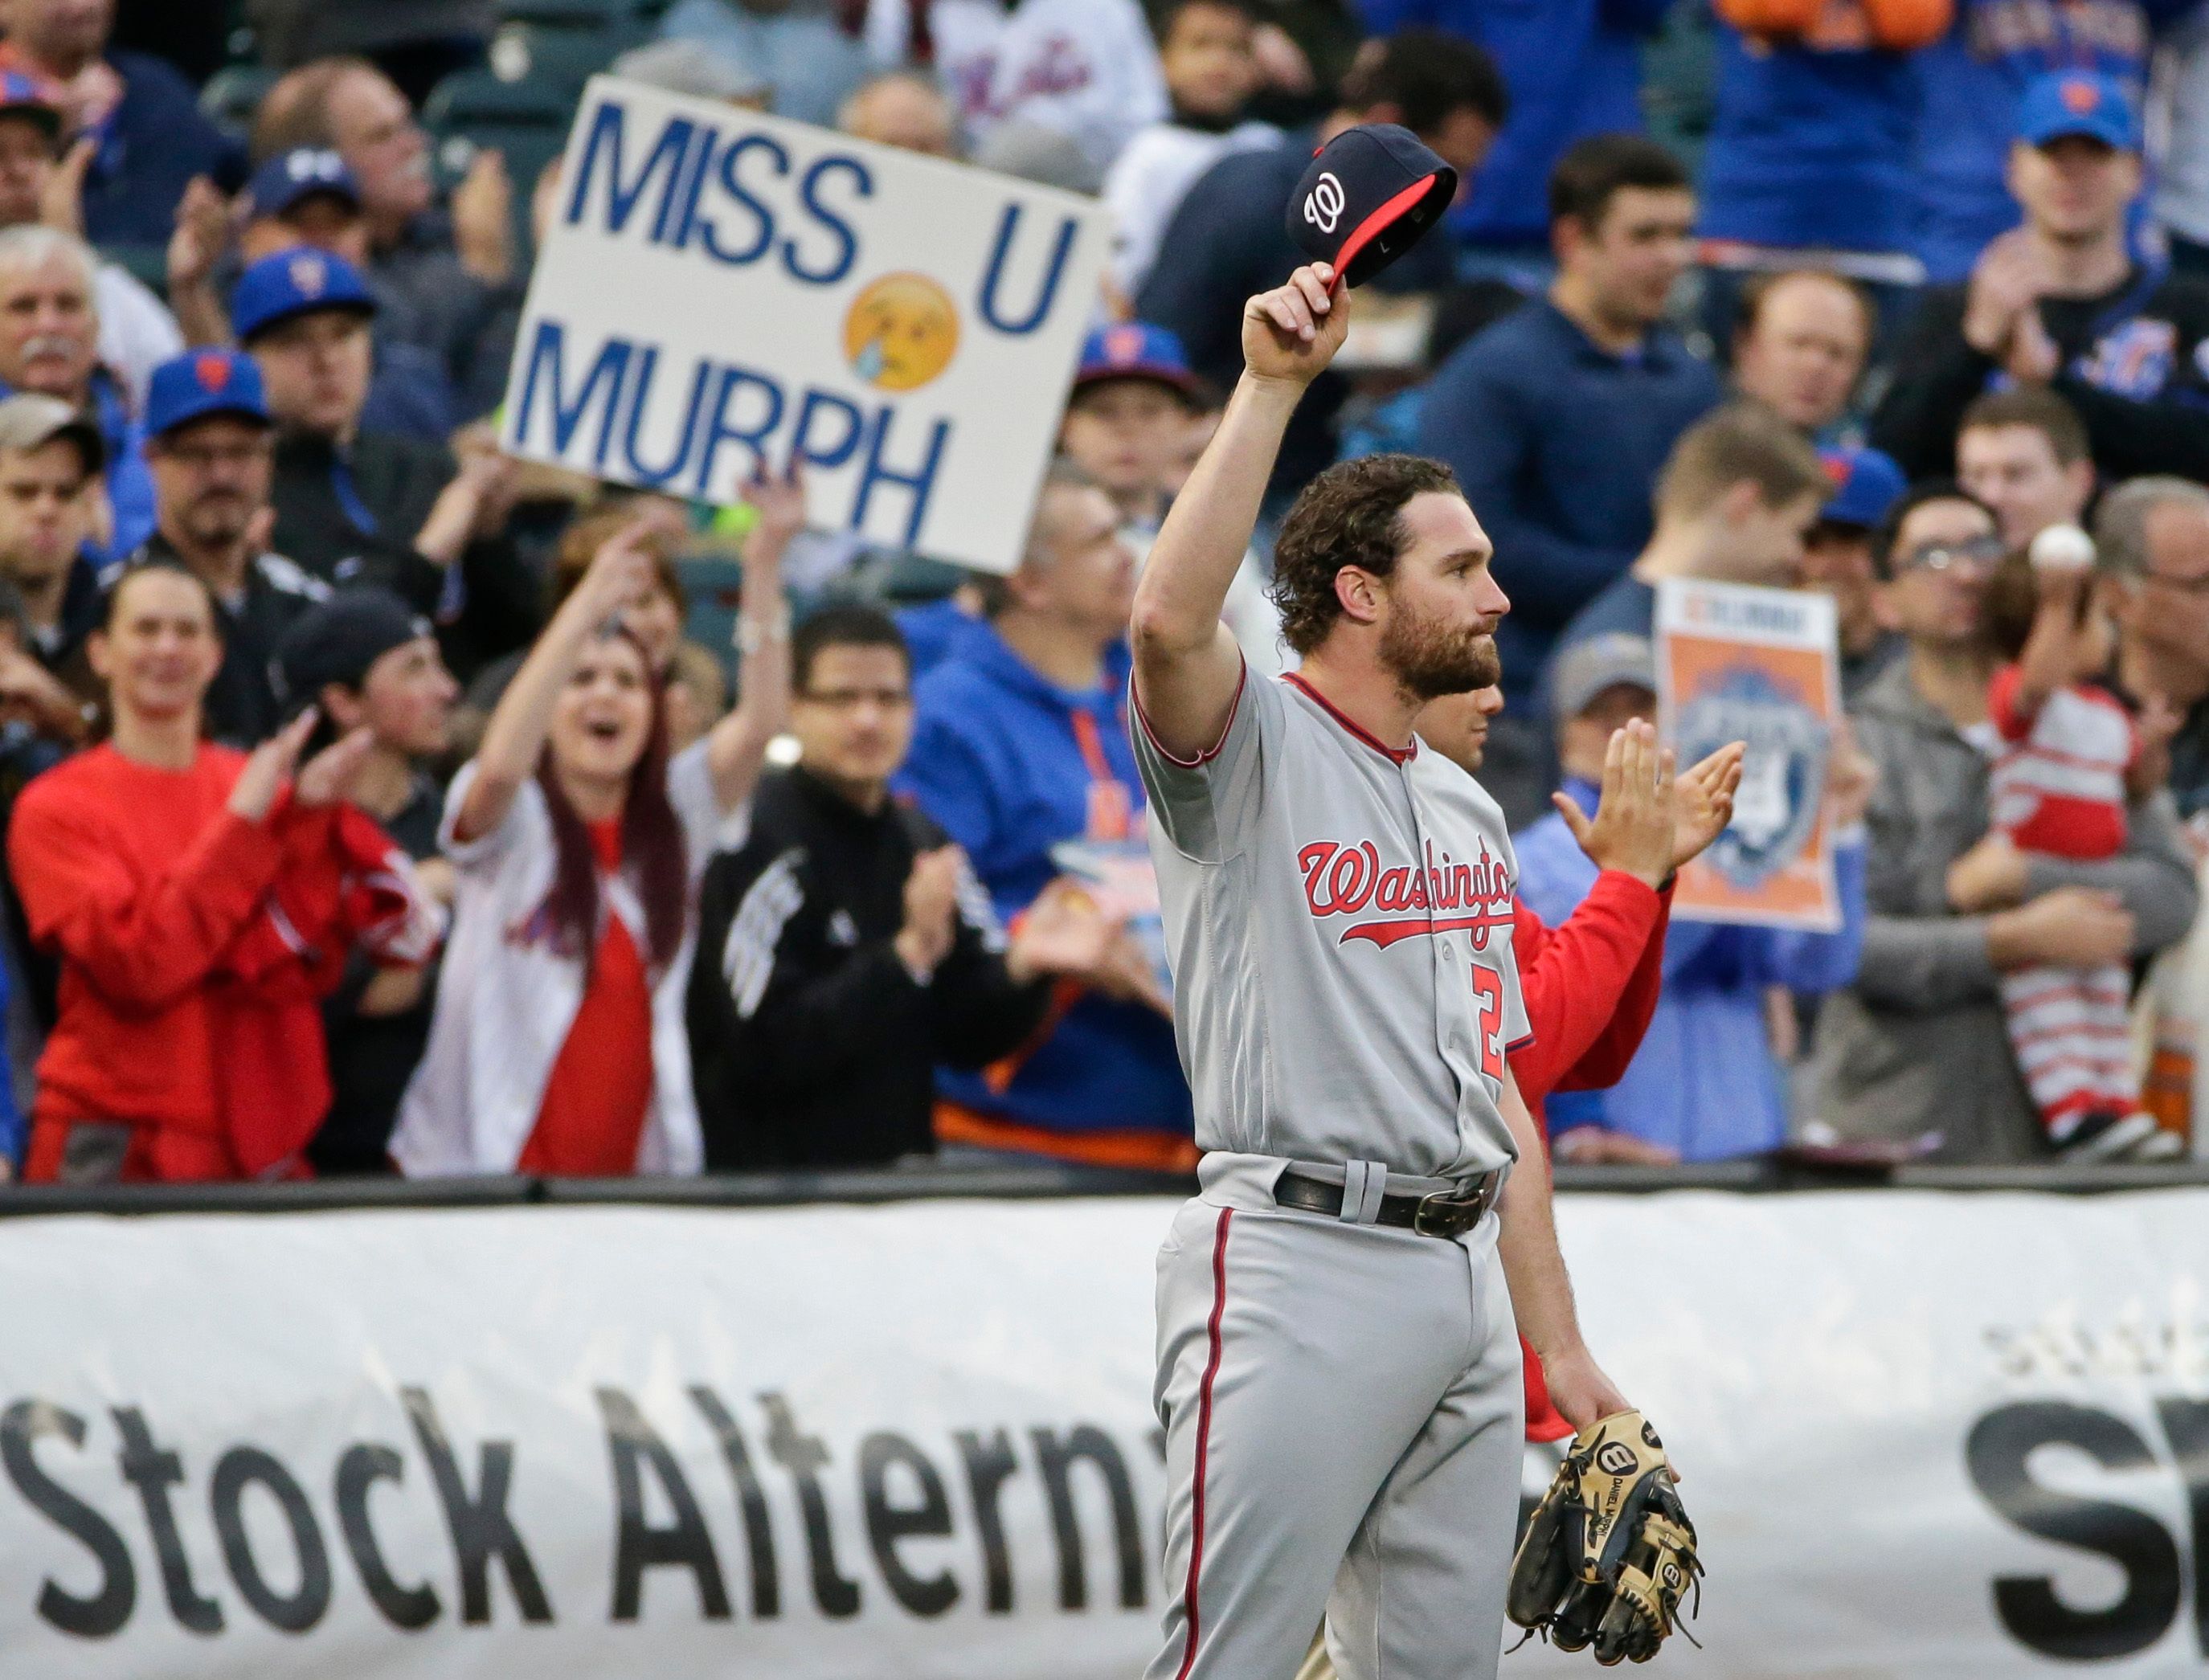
<point>1204,1436</point>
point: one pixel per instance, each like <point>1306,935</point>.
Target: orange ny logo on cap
<point>2080,95</point>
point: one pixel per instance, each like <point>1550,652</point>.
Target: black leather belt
<point>1441,1214</point>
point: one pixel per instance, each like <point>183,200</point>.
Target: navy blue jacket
<point>1558,445</point>
<point>150,147</point>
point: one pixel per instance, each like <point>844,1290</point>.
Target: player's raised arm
<point>1187,666</point>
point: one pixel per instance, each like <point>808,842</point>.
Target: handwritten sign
<point>1763,666</point>
<point>718,287</point>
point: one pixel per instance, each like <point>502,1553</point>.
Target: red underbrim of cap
<point>1378,223</point>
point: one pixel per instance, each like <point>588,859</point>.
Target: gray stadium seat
<point>233,94</point>
<point>526,121</point>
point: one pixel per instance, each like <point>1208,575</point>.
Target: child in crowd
<point>1206,48</point>
<point>558,1043</point>
<point>2072,759</point>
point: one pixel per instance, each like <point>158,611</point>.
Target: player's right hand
<point>1291,333</point>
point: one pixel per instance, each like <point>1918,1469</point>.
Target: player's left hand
<point>1579,1390</point>
<point>1704,799</point>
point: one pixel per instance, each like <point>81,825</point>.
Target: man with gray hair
<point>2154,539</point>
<point>50,344</point>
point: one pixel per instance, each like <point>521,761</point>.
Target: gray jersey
<point>1339,922</point>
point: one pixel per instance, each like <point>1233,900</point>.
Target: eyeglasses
<point>1980,552</point>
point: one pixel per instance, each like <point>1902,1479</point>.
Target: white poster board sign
<point>718,287</point>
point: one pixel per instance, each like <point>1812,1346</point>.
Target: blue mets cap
<point>301,174</point>
<point>2077,102</point>
<point>1866,484</point>
<point>1135,350</point>
<point>1368,196</point>
<point>295,282</point>
<point>201,383</point>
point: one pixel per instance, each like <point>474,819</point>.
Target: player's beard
<point>1430,658</point>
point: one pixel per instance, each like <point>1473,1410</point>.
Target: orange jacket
<point>1899,26</point>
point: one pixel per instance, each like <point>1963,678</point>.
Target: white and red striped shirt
<point>2058,787</point>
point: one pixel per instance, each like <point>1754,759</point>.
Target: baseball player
<point>1338,1371</point>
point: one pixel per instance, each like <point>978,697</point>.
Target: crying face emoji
<point>902,331</point>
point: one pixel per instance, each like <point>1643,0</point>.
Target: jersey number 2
<point>1488,991</point>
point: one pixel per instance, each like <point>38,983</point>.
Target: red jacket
<point>194,947</point>
<point>1589,987</point>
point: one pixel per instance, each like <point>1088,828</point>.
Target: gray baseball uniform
<point>1342,1399</point>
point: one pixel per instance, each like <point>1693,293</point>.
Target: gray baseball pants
<point>1344,1415</point>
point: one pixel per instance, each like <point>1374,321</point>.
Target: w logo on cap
<point>1323,203</point>
<point>2080,96</point>
<point>309,274</point>
<point>212,369</point>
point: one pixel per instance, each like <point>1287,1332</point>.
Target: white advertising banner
<point>719,287</point>
<point>1964,1436</point>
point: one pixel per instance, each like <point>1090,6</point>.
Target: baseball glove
<point>1609,1551</point>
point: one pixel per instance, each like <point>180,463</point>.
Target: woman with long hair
<point>559,1046</point>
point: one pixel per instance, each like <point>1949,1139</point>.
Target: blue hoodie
<point>1810,148</point>
<point>1704,1081</point>
<point>1573,68</point>
<point>996,760</point>
<point>1970,82</point>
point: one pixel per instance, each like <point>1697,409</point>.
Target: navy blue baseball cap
<point>1136,350</point>
<point>2077,102</point>
<point>1866,484</point>
<point>294,282</point>
<point>1368,195</point>
<point>337,641</point>
<point>201,383</point>
<point>291,177</point>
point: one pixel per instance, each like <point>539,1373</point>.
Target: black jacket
<point>395,482</point>
<point>2134,366</point>
<point>810,1044</point>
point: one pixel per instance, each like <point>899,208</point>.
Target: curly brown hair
<point>1351,515</point>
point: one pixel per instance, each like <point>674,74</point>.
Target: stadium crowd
<point>374,802</point>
